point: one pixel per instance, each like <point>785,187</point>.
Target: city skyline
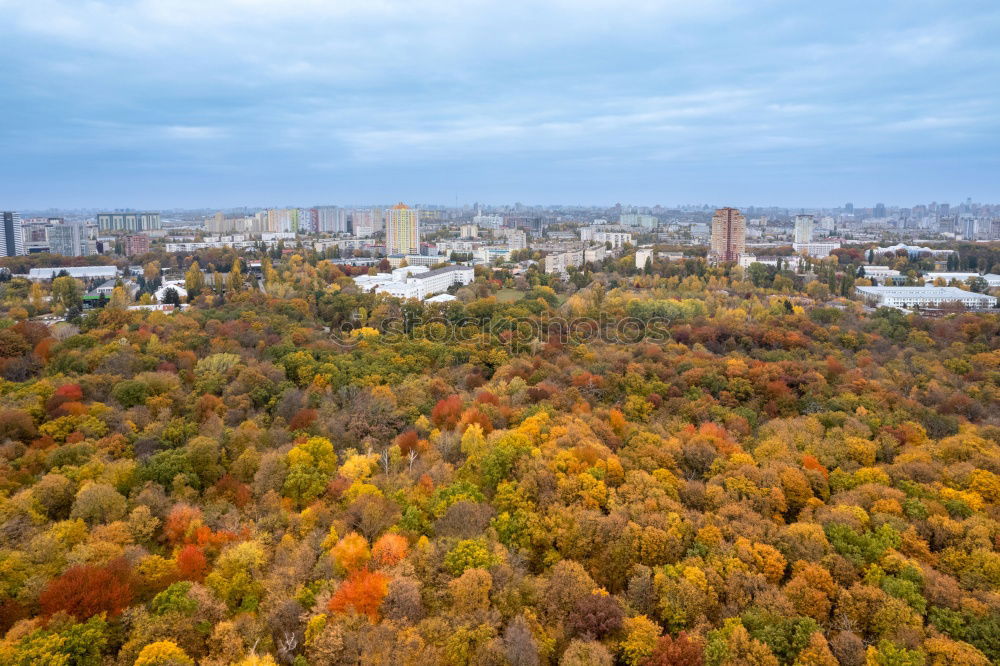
<point>175,103</point>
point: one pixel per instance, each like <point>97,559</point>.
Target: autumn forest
<point>290,471</point>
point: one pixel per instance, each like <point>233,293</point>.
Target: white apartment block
<point>616,238</point>
<point>817,249</point>
<point>559,262</point>
<point>488,221</point>
<point>923,297</point>
<point>638,220</point>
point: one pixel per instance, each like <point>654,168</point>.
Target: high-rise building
<point>804,228</point>
<point>128,221</point>
<point>331,219</point>
<point>729,235</point>
<point>308,221</point>
<point>69,239</point>
<point>365,223</point>
<point>12,239</point>
<point>402,230</point>
<point>880,210</point>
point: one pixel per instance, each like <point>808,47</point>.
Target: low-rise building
<point>817,249</point>
<point>992,279</point>
<point>560,262</point>
<point>880,272</point>
<point>416,281</point>
<point>79,272</point>
<point>923,297</point>
<point>596,235</point>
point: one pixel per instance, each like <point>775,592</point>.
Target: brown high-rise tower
<point>729,235</point>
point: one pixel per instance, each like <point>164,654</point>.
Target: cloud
<point>279,97</point>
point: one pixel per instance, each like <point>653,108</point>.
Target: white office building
<point>923,297</point>
<point>416,281</point>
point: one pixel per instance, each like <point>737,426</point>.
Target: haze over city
<point>187,104</point>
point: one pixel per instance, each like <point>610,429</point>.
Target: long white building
<point>81,272</point>
<point>992,279</point>
<point>416,281</point>
<point>923,297</point>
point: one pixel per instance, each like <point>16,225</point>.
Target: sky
<point>223,103</point>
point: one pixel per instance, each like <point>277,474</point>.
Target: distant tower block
<point>729,235</point>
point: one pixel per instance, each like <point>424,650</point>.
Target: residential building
<point>594,235</point>
<point>402,230</point>
<point>816,249</point>
<point>280,219</point>
<point>134,244</point>
<point>69,239</point>
<point>331,220</point>
<point>559,262</point>
<point>469,231</point>
<point>365,223</point>
<point>128,221</point>
<point>594,253</point>
<point>642,255</point>
<point>729,235</point>
<point>923,297</point>
<point>804,228</point>
<point>516,240</point>
<point>12,240</point>
<point>308,221</point>
<point>488,221</point>
<point>638,220</point>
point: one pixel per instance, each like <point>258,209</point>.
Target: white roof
<point>919,292</point>
<point>73,271</point>
<point>441,298</point>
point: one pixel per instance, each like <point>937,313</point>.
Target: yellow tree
<point>235,276</point>
<point>194,280</point>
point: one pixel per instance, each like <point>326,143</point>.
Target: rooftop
<point>441,271</point>
<point>74,271</point>
<point>921,291</point>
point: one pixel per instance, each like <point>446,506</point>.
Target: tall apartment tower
<point>402,230</point>
<point>11,235</point>
<point>729,235</point>
<point>69,239</point>
<point>804,228</point>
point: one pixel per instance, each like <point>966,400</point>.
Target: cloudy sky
<point>172,103</point>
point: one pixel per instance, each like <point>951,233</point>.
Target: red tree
<point>83,591</point>
<point>363,592</point>
<point>191,563</point>
<point>681,651</point>
<point>447,412</point>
